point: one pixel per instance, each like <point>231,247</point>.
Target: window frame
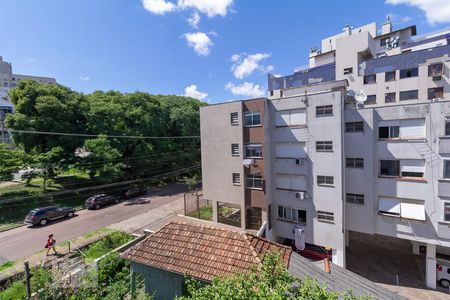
<point>253,178</point>
<point>416,93</point>
<point>348,70</point>
<point>388,95</point>
<point>447,123</point>
<point>354,126</point>
<point>254,145</point>
<point>436,90</point>
<point>325,216</point>
<point>324,110</point>
<point>393,132</point>
<point>235,176</point>
<point>354,198</point>
<point>367,81</point>
<point>369,102</point>
<point>324,146</point>
<point>354,162</point>
<point>290,214</point>
<point>445,172</point>
<point>233,149</point>
<point>396,167</point>
<point>250,115</point>
<point>446,216</point>
<point>234,119</point>
<point>324,180</point>
<point>386,74</point>
<point>432,72</point>
<point>405,72</point>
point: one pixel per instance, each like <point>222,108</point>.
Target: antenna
<point>360,96</point>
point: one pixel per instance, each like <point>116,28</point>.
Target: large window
<point>290,117</point>
<point>435,69</point>
<point>405,129</point>
<point>354,198</point>
<point>389,76</point>
<point>354,162</point>
<point>369,79</point>
<point>255,181</point>
<point>447,169</point>
<point>291,214</point>
<point>324,110</point>
<point>407,73</point>
<point>354,126</point>
<point>234,118</point>
<point>390,168</point>
<point>447,211</point>
<point>404,208</point>
<point>253,151</point>
<point>371,99</point>
<point>324,146</point>
<point>436,93</point>
<point>389,97</point>
<point>236,179</point>
<point>235,149</point>
<point>388,132</point>
<point>252,118</point>
<point>325,180</point>
<point>325,216</point>
<point>409,95</point>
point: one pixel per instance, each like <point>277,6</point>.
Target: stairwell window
<point>324,146</point>
<point>354,162</point>
<point>324,110</point>
<point>354,127</point>
<point>255,181</point>
<point>252,118</point>
<point>354,198</point>
<point>325,180</point>
<point>325,216</point>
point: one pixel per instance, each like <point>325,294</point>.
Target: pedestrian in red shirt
<point>51,242</point>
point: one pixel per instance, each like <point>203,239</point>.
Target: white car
<point>443,274</point>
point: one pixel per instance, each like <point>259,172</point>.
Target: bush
<point>17,290</point>
<point>107,244</point>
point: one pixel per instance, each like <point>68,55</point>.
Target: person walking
<point>51,242</point>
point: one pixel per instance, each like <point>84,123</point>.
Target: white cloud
<point>192,91</point>
<point>158,7</point>
<point>31,60</point>
<point>210,8</point>
<point>194,20</point>
<point>246,89</point>
<point>436,11</point>
<point>245,64</point>
<point>84,78</point>
<point>200,41</point>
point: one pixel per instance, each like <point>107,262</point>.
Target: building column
<point>431,266</point>
<point>415,248</point>
<point>338,257</point>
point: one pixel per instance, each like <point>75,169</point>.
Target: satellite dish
<point>360,97</point>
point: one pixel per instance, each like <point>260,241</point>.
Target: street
<point>24,241</point>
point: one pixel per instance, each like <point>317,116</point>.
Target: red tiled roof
<point>203,252</point>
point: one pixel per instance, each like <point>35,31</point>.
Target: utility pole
<point>27,277</point>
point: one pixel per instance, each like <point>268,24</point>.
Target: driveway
<point>24,241</point>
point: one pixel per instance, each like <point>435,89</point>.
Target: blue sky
<point>217,50</point>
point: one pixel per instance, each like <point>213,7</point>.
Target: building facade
<point>9,80</point>
<point>358,141</point>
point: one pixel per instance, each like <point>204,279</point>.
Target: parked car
<point>443,274</point>
<point>97,201</point>
<point>41,215</point>
<point>132,192</point>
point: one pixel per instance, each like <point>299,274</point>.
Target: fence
<point>196,206</point>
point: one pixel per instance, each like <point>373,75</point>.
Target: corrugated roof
<point>203,252</point>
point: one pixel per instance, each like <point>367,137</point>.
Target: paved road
<point>24,241</point>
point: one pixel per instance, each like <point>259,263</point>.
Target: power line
<point>108,136</point>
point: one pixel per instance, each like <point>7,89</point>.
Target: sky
<point>213,50</point>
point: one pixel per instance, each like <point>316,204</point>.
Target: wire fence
<point>196,206</point>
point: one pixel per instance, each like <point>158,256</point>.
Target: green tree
<point>44,164</point>
<point>190,182</point>
<point>102,158</point>
<point>11,161</point>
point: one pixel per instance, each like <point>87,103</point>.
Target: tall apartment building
<point>312,157</point>
<point>8,80</point>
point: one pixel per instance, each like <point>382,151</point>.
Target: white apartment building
<point>8,80</point>
<point>359,141</point>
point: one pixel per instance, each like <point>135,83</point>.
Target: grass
<point>6,265</point>
<point>107,244</point>
<point>204,213</point>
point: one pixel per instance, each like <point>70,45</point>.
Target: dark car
<point>97,201</point>
<point>132,192</point>
<point>41,215</point>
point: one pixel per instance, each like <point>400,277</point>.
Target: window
<point>412,168</point>
<point>435,69</point>
<point>254,181</point>
<point>447,126</point>
<point>383,42</point>
<point>325,216</point>
<point>388,132</point>
<point>236,179</point>
<point>369,79</point>
<point>390,168</point>
<point>235,149</point>
<point>354,162</point>
<point>409,95</point>
<point>354,127</point>
<point>253,150</point>
<point>348,71</point>
<point>292,214</point>
<point>389,76</point>
<point>371,99</point>
<point>404,208</point>
<point>436,93</point>
<point>389,97</point>
<point>354,198</point>
<point>324,146</point>
<point>325,180</point>
<point>447,211</point>
<point>234,118</point>
<point>290,182</point>
<point>447,169</point>
<point>407,73</point>
<point>252,118</point>
<point>290,117</point>
<point>325,110</point>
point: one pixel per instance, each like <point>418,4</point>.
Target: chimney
<point>386,27</point>
<point>348,30</point>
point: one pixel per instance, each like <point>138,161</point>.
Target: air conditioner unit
<point>437,78</point>
<point>300,195</point>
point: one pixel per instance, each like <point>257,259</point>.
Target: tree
<point>44,164</point>
<point>11,161</point>
<point>190,182</point>
<point>102,158</point>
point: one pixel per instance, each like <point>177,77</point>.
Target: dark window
<point>236,179</point>
<point>292,214</point>
<point>388,132</point>
<point>354,162</point>
<point>447,212</point>
<point>325,110</point>
<point>383,42</point>
<point>348,71</point>
<point>371,99</point>
<point>252,118</point>
<point>390,168</point>
<point>409,95</point>
<point>354,127</point>
<point>354,198</point>
<point>407,73</point>
<point>325,180</point>
<point>234,118</point>
<point>254,181</point>
<point>324,146</point>
<point>369,79</point>
<point>447,169</point>
<point>447,126</point>
<point>389,97</point>
<point>253,150</point>
<point>235,149</point>
<point>389,76</point>
<point>435,69</point>
<point>412,174</point>
<point>325,216</point>
<point>436,93</point>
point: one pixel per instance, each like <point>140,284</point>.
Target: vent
<point>300,195</point>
